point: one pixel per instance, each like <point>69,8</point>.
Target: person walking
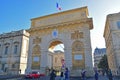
<point>110,76</point>
<point>52,75</point>
<point>20,71</point>
<point>66,74</point>
<point>62,76</point>
<point>96,75</point>
<point>83,74</point>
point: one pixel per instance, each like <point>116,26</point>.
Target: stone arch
<point>55,42</point>
<point>56,58</point>
<point>78,56</point>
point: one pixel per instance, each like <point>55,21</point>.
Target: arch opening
<point>56,55</point>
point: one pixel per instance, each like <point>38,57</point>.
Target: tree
<point>103,64</point>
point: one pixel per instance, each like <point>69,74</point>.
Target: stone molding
<point>14,34</point>
<point>80,21</point>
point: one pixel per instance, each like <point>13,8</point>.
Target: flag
<point>58,7</point>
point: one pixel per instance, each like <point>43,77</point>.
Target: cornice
<point>80,21</point>
<point>14,34</point>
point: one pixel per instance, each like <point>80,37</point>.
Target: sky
<point>16,14</point>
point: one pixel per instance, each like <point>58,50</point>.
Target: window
<point>3,65</point>
<point>13,65</point>
<point>0,48</point>
<point>15,49</point>
<point>6,50</point>
<point>118,24</point>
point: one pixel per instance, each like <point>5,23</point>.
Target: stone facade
<point>112,40</point>
<point>58,56</point>
<point>72,28</point>
<point>14,51</point>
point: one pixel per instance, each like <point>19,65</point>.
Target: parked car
<point>34,74</point>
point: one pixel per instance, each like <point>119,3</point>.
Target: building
<point>58,60</point>
<point>70,28</point>
<point>14,52</point>
<point>112,40</point>
<point>55,59</point>
<point>98,54</point>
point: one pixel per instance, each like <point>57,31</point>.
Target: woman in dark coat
<point>96,75</point>
<point>110,75</point>
<point>52,75</point>
<point>83,74</point>
<point>62,76</point>
<point>66,74</point>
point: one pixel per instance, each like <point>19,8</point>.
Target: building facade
<point>14,51</point>
<point>112,40</point>
<point>98,54</point>
<point>71,28</point>
<point>58,60</point>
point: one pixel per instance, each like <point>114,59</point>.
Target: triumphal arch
<point>72,28</point>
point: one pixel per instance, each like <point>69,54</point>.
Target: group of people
<point>96,75</point>
<point>63,75</point>
<point>109,75</point>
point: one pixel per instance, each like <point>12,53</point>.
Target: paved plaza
<point>58,78</point>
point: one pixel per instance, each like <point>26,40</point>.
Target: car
<point>34,74</point>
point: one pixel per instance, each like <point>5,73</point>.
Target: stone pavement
<point>73,78</point>
<point>58,78</point>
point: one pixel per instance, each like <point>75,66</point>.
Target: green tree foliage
<point>103,64</point>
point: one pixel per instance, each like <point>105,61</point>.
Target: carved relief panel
<point>36,56</point>
<point>78,55</point>
<point>77,35</point>
<point>37,40</point>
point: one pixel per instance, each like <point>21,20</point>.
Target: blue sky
<point>16,14</point>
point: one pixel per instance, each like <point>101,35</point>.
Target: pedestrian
<point>61,76</point>
<point>66,74</point>
<point>110,74</point>
<point>96,75</point>
<point>83,74</point>
<point>20,71</point>
<point>103,72</point>
<point>52,75</point>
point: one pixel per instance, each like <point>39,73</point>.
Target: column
<point>44,60</point>
<point>68,57</point>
